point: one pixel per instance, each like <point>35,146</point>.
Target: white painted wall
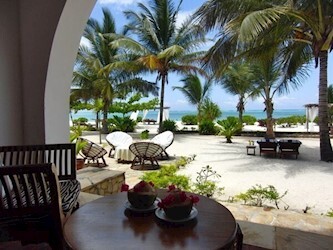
<point>64,49</point>
<point>11,119</point>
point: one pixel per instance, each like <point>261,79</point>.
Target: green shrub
<point>207,127</point>
<point>204,186</point>
<point>144,135</point>
<point>124,124</point>
<point>190,120</point>
<point>229,127</point>
<point>249,119</point>
<point>258,195</point>
<point>330,213</point>
<point>209,111</point>
<point>166,176</point>
<point>292,120</point>
<point>139,119</point>
<point>80,121</point>
<point>169,125</point>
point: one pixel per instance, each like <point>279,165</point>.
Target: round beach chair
<point>164,139</point>
<point>118,139</point>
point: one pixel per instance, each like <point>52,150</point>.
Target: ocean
<point>176,115</point>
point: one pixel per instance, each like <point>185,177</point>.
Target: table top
<point>106,224</point>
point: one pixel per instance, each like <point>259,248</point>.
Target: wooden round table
<point>106,224</point>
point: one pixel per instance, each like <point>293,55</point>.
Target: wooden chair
<point>63,156</point>
<point>145,152</point>
<point>289,147</point>
<point>30,205</point>
<point>93,152</point>
<point>268,147</point>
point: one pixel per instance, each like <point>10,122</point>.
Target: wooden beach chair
<point>146,154</point>
<point>268,146</point>
<point>289,147</point>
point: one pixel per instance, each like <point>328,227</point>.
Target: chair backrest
<point>30,204</point>
<point>119,138</point>
<point>268,144</point>
<point>92,150</point>
<point>146,149</point>
<point>163,139</point>
<point>63,156</point>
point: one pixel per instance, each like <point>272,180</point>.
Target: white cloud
<point>182,16</point>
<point>180,101</point>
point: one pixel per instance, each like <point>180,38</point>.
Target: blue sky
<point>296,99</point>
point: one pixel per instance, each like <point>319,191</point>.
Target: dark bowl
<point>178,212</point>
<point>141,200</point>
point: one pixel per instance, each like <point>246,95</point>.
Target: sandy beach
<point>307,179</point>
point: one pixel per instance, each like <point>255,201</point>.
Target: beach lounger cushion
<point>31,212</point>
<point>164,139</point>
<point>69,193</point>
<point>118,139</point>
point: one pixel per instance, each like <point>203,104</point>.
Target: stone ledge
<point>100,181</point>
<point>274,229</point>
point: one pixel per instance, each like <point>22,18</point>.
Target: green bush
<point>190,120</point>
<point>144,135</point>
<point>207,127</point>
<point>80,121</point>
<point>209,111</point>
<point>203,185</point>
<point>229,127</point>
<point>124,124</point>
<point>139,119</point>
<point>249,119</point>
<point>166,176</point>
<point>169,125</point>
<point>292,120</point>
<point>258,195</point>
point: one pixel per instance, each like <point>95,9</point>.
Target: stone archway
<point>59,74</point>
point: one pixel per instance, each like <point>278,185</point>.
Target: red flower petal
<point>195,199</point>
<point>124,187</point>
<point>172,187</point>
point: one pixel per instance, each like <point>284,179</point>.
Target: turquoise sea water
<point>176,115</point>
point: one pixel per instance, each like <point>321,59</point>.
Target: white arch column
<point>63,53</point>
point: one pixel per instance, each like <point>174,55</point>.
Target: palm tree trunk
<point>326,153</point>
<point>97,120</point>
<point>269,121</point>
<point>160,122</point>
<point>240,108</point>
<point>105,129</point>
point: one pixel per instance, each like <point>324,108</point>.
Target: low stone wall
<point>100,181</point>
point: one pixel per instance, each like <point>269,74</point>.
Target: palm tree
<point>304,27</point>
<point>237,79</point>
<point>194,91</point>
<point>162,47</point>
<point>93,74</point>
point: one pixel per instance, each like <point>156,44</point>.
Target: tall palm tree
<point>194,91</point>
<point>306,27</point>
<point>93,74</point>
<point>162,47</point>
<point>238,79</point>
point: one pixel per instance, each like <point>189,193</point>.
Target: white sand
<point>308,180</point>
